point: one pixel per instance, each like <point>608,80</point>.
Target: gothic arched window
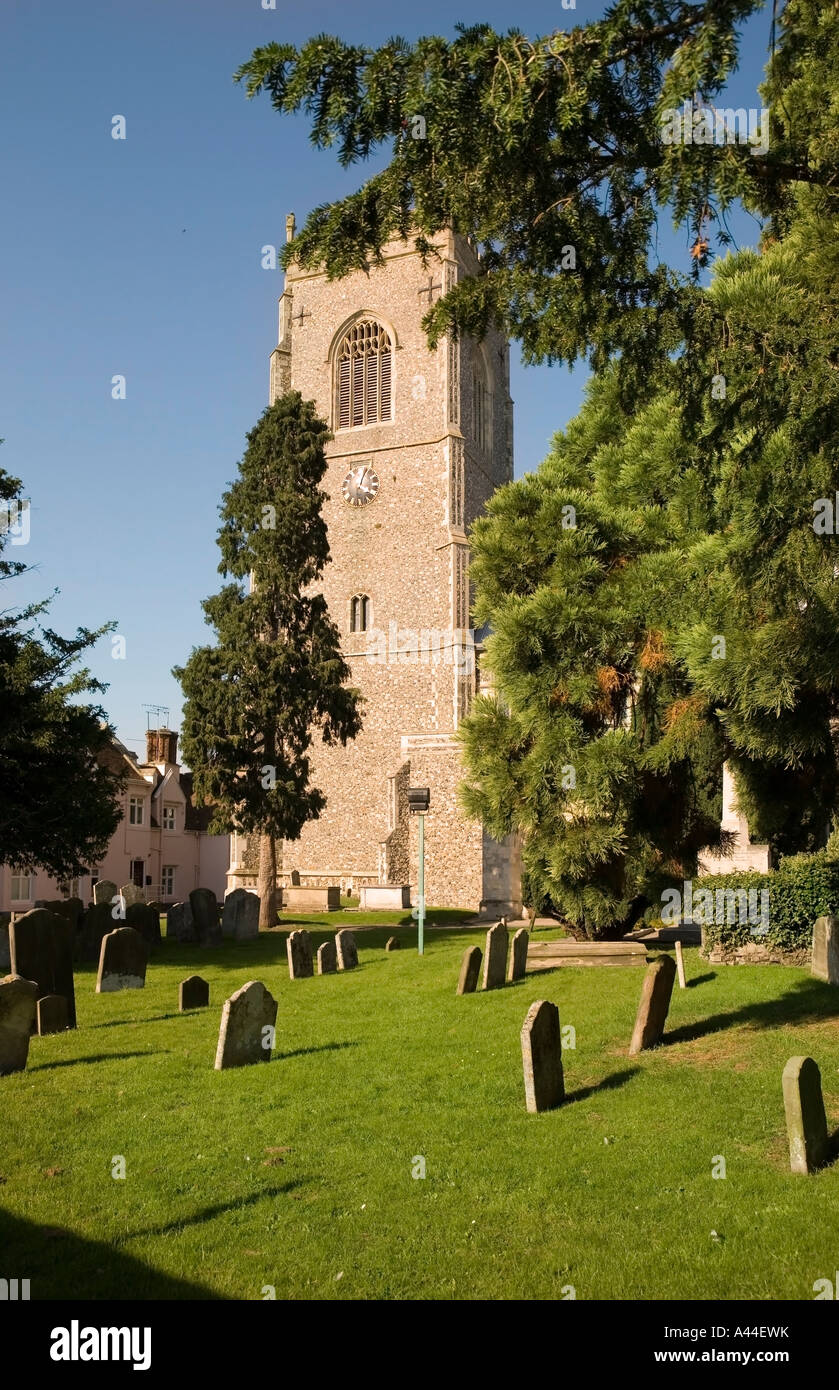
<point>364,390</point>
<point>359,613</point>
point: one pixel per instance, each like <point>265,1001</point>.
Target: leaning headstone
<point>52,1014</point>
<point>680,966</point>
<point>654,1003</point>
<point>470,969</point>
<point>299,950</point>
<point>17,1017</point>
<point>825,961</point>
<point>495,956</point>
<point>346,949</point>
<point>132,894</point>
<point>541,1051</point>
<point>295,878</point>
<point>806,1120</point>
<point>240,915</point>
<point>205,916</point>
<point>104,890</point>
<point>146,920</point>
<point>122,961</point>
<point>193,993</point>
<point>392,944</point>
<point>247,1027</point>
<point>179,923</point>
<point>327,958</point>
<point>518,956</point>
<point>96,923</point>
<point>41,949</point>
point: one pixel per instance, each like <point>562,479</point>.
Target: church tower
<point>421,440</point>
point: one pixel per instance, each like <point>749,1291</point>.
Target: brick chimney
<point>161,746</point>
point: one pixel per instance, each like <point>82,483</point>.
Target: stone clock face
<point>360,486</point>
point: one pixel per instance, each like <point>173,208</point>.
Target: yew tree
<point>274,679</point>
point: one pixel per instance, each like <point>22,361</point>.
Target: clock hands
<point>360,485</point>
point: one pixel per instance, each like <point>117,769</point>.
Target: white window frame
<point>170,813</point>
<point>21,878</point>
<point>136,810</point>
<point>168,873</point>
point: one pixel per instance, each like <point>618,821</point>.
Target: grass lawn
<point>298,1173</point>
<point>345,917</point>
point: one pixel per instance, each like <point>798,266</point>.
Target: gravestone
<point>205,917</point>
<point>104,890</point>
<point>541,1051</point>
<point>122,961</point>
<point>327,958</point>
<point>247,1027</point>
<point>295,878</point>
<point>654,1003</point>
<point>384,897</point>
<point>71,908</point>
<point>5,953</point>
<point>312,899</point>
<point>240,915</point>
<point>131,894</point>
<point>299,951</point>
<point>806,1120</point>
<point>680,966</point>
<point>17,1019</point>
<point>518,956</point>
<point>346,949</point>
<point>52,1014</point>
<point>179,923</point>
<point>392,944</point>
<point>825,961</point>
<point>41,949</point>
<point>495,956</point>
<point>96,923</point>
<point>145,919</point>
<point>470,969</point>
<point>193,993</point>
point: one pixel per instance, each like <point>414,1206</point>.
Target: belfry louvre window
<point>364,376</point>
<point>359,613</point>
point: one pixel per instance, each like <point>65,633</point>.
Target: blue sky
<point>142,258</point>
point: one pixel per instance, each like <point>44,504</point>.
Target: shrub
<point>802,888</point>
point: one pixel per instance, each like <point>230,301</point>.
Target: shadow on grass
<point>702,979</point>
<point>807,1000</point>
<point>220,1209</point>
<point>307,1051</point>
<point>609,1083</point>
<point>60,1264</point>
<point>99,1057</point>
<point>123,1022</point>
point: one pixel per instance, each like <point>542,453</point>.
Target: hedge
<point>802,888</point>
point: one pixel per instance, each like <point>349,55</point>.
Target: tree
<point>58,797</point>
<point>532,146</point>
<point>592,746</point>
<point>663,596</point>
<point>276,674</point>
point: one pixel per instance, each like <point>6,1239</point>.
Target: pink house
<point>161,844</point>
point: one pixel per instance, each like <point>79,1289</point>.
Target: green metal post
<point>421,903</point>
